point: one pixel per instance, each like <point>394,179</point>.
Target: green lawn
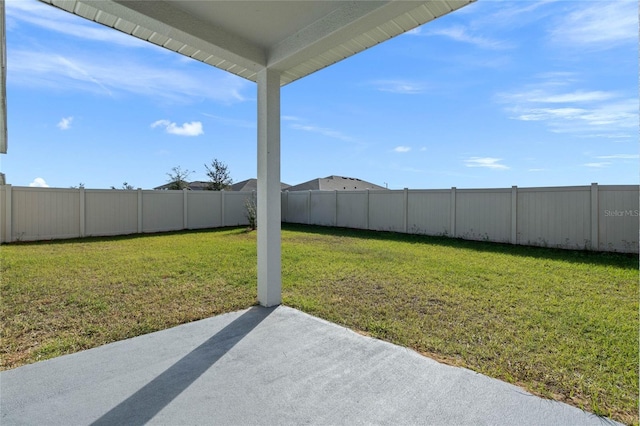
<point>563,324</point>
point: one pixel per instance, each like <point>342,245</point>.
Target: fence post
<point>368,208</point>
<point>185,210</point>
<point>405,219</point>
<point>8,221</point>
<point>595,220</point>
<point>335,209</point>
<point>309,207</point>
<point>222,196</point>
<point>139,210</point>
<point>82,213</point>
<point>514,214</point>
<point>452,218</point>
<point>285,211</point>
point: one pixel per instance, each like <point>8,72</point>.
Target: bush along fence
<point>595,217</point>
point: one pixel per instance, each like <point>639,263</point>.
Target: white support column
<point>269,207</point>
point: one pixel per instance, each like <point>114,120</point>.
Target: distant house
<point>252,185</point>
<point>197,185</point>
<point>245,185</point>
<point>332,183</point>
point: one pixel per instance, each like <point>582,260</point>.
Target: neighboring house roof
<point>252,185</point>
<point>332,183</point>
<point>197,185</point>
<point>245,185</point>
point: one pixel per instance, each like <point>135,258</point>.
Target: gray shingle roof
<point>332,183</point>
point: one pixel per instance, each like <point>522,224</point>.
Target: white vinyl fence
<point>595,217</point>
<point>31,214</point>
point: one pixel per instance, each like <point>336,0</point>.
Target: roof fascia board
<point>220,48</point>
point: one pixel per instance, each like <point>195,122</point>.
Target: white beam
<point>3,82</point>
<point>269,252</point>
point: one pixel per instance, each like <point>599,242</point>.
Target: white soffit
<point>295,38</point>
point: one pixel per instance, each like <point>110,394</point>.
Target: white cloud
<point>65,123</point>
<point>565,109</point>
<point>544,96</point>
<point>193,128</point>
<point>323,131</point>
<point>38,183</point>
<point>112,75</point>
<point>597,165</point>
<point>402,148</point>
<point>599,25</point>
<point>488,162</point>
<point>231,121</point>
<point>424,148</point>
<point>403,87</point>
<point>462,34</point>
<point>53,19</point>
<point>618,157</point>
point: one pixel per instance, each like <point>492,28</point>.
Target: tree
<point>178,178</point>
<point>219,176</point>
<point>125,186</point>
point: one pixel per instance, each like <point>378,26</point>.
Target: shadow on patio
<point>265,366</point>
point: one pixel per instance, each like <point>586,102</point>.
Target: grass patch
<point>563,324</point>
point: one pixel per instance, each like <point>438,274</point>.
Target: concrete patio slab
<point>271,366</point>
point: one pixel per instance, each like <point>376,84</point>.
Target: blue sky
<point>499,93</point>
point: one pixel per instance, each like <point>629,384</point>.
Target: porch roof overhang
<point>294,38</point>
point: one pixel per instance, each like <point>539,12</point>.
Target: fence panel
<point>235,210</point>
<point>3,213</point>
<point>162,211</point>
<point>618,215</point>
<point>353,209</point>
<point>564,217</point>
<point>44,213</point>
<point>555,217</point>
<point>204,209</point>
<point>484,214</point>
<point>386,210</point>
<point>429,212</point>
<point>110,212</point>
<point>298,207</point>
<point>323,208</point>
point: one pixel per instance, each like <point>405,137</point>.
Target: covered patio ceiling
<point>294,38</point>
<point>272,43</point>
